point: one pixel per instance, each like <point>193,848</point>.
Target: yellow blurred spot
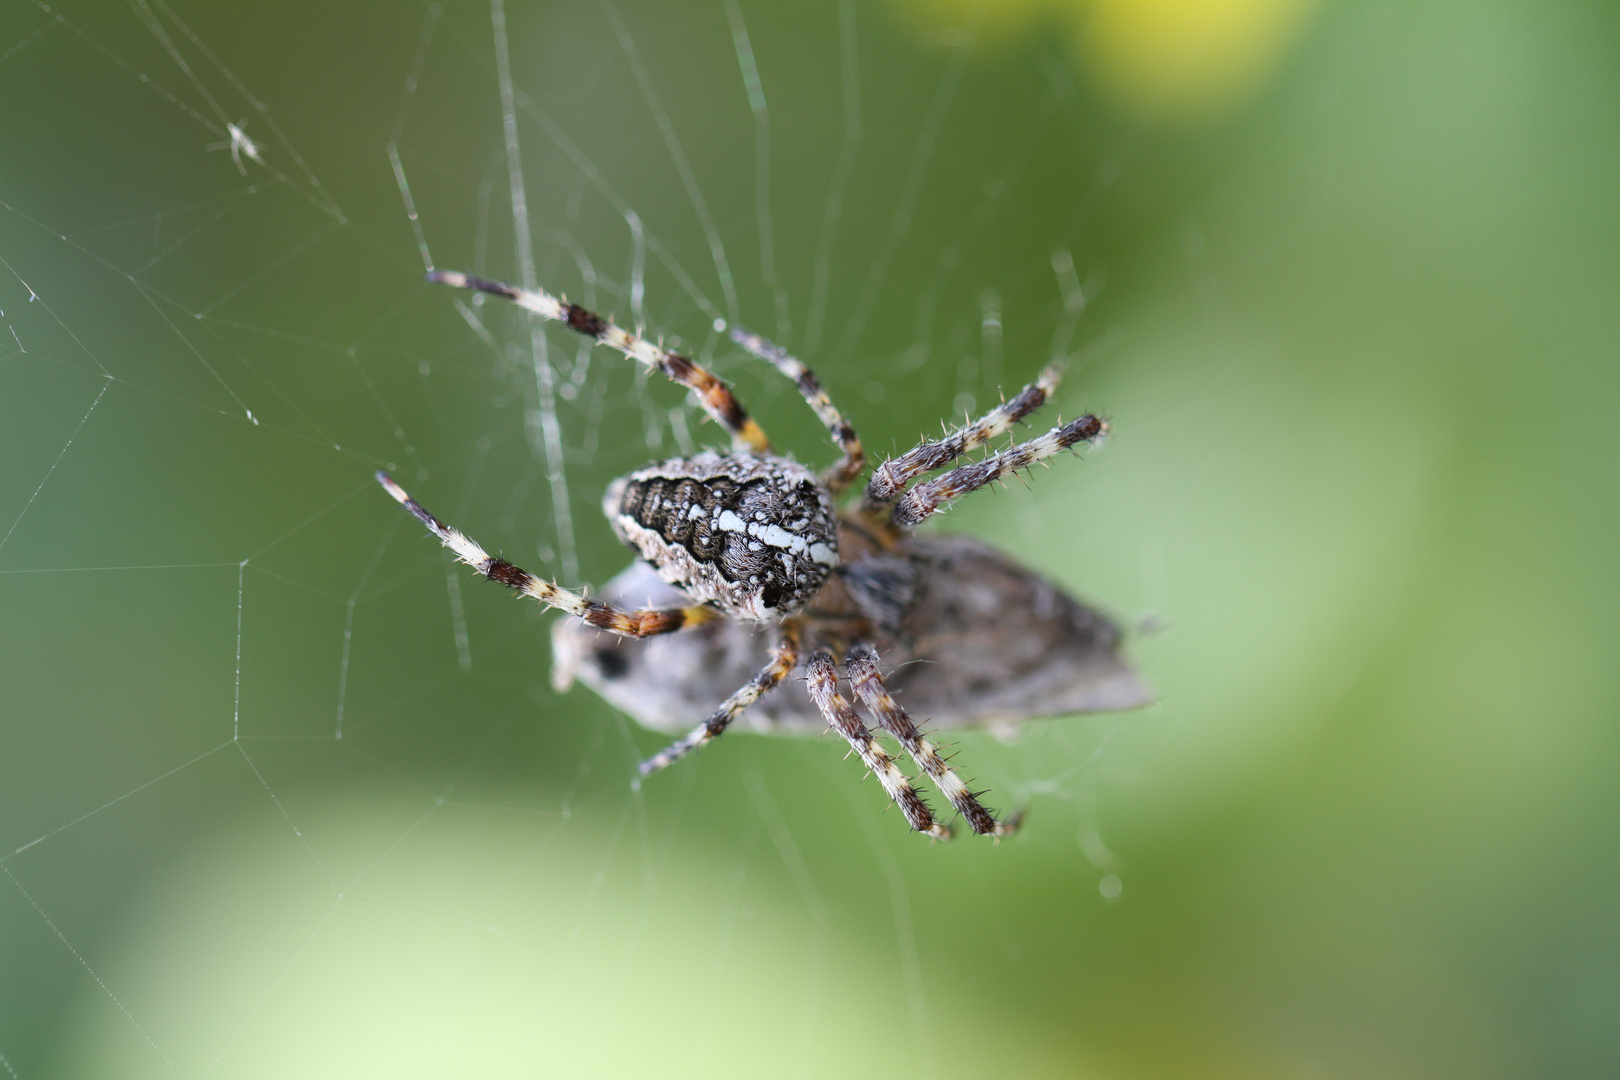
<point>1173,60</point>
<point>1184,59</point>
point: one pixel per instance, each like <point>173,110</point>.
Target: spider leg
<point>784,655</point>
<point>928,498</point>
<point>717,398</point>
<point>598,614</point>
<point>867,682</point>
<point>837,476</point>
<point>890,478</point>
<point>822,682</point>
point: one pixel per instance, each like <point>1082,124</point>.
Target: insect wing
<point>986,643</point>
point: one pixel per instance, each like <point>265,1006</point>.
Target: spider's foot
<point>457,280</point>
<point>655,763</point>
<point>673,753</point>
<point>936,831</point>
<point>1007,826</point>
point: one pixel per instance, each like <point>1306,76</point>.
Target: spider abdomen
<point>754,537</point>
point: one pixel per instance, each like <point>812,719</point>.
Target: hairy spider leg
<point>867,682</point>
<point>822,681</point>
<point>837,476</point>
<point>784,655</point>
<point>927,498</point>
<point>601,615</point>
<point>717,399</point>
<point>890,478</point>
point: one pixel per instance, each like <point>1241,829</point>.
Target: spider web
<point>288,790</point>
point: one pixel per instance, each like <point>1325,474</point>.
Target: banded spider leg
<point>867,682</point>
<point>889,493</point>
<point>601,615</point>
<point>821,678</point>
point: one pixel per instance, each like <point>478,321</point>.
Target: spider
<point>752,540</point>
<point>240,145</point>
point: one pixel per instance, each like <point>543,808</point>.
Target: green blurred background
<point>276,798</point>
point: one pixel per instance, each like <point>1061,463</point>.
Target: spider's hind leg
<point>601,615</point>
<point>784,655</point>
<point>718,400</point>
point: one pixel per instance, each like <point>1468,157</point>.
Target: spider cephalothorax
<point>752,540</point>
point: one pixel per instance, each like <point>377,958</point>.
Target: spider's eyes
<point>611,663</point>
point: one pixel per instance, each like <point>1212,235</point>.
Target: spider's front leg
<point>927,498</point>
<point>822,682</point>
<point>887,495</point>
<point>601,615</point>
<point>867,682</point>
<point>784,655</point>
<point>891,478</point>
